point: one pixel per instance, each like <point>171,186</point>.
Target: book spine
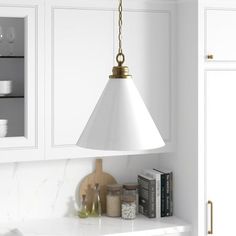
<point>152,199</point>
<point>158,196</point>
<point>143,196</point>
<point>171,194</point>
<point>163,197</point>
<point>156,176</point>
<point>167,189</point>
<point>147,196</point>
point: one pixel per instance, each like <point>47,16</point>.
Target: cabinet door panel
<point>82,62</point>
<point>220,148</point>
<point>220,34</point>
<point>77,71</point>
<point>81,46</point>
<point>24,108</point>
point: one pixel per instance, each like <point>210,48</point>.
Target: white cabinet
<point>76,61</point>
<point>220,34</point>
<point>220,115</point>
<point>79,60</point>
<point>25,141</point>
<point>81,45</point>
<point>220,148</point>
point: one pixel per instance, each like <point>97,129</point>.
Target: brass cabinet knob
<point>210,57</point>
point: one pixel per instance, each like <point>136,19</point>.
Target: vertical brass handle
<point>210,57</point>
<point>210,204</point>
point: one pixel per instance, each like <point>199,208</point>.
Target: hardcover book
<point>157,176</point>
<point>147,196</point>
<point>166,193</point>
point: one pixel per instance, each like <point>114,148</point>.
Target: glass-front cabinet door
<point>12,62</point>
<point>21,80</point>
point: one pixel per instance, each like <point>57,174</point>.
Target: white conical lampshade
<point>120,121</point>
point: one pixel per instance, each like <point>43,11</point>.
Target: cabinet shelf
<point>11,56</point>
<point>5,97</point>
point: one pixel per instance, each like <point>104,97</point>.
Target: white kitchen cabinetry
<point>75,62</point>
<point>219,115</point>
<point>216,120</point>
<point>203,163</point>
<point>79,58</point>
<point>220,34</point>
<point>27,110</point>
<point>220,148</point>
<point>81,45</point>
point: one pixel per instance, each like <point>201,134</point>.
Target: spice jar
<point>128,207</point>
<point>132,189</point>
<point>113,200</point>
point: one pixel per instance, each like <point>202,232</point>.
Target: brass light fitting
<point>120,71</point>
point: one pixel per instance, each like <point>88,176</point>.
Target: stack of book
<point>156,193</point>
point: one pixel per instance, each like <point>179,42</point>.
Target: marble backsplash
<point>36,190</point>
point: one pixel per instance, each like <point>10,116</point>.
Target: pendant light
<point>120,120</point>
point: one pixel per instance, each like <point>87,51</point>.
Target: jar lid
<point>3,122</point>
<point>130,186</point>
<point>128,198</point>
<point>114,187</point>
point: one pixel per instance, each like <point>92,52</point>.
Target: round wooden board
<point>88,183</point>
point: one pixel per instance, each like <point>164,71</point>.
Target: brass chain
<point>120,26</point>
<point>120,58</point>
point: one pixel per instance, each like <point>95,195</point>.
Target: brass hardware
<point>120,9</point>
<point>120,58</point>
<point>210,57</point>
<point>210,203</point>
<point>120,71</point>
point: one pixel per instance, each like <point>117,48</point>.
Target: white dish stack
<point>3,128</point>
<point>5,87</point>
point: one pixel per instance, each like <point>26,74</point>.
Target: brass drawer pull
<point>210,203</point>
<point>210,57</point>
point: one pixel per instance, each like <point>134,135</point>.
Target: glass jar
<point>83,212</point>
<point>128,207</point>
<point>131,189</point>
<point>113,200</point>
<point>96,205</point>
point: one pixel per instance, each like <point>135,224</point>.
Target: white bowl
<point>3,128</point>
<point>5,87</point>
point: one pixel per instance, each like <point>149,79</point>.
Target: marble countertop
<point>100,226</point>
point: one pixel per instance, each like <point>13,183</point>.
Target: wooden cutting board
<point>88,183</point>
